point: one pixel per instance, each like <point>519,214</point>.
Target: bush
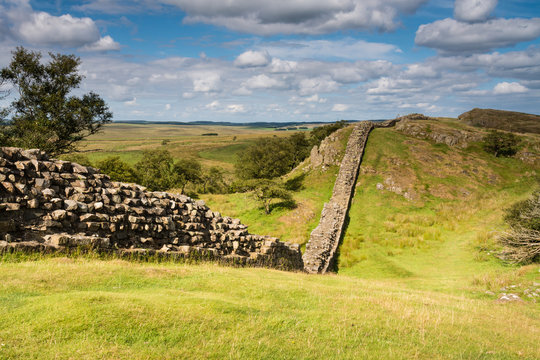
<point>522,242</point>
<point>117,169</point>
<point>501,143</point>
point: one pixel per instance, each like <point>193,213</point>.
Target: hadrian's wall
<point>53,205</point>
<point>320,254</point>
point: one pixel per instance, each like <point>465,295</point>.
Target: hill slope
<point>502,120</point>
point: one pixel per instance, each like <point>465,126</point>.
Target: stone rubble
<point>52,205</point>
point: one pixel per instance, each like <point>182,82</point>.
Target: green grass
<point>62,308</point>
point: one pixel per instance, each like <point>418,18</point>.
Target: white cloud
<point>263,82</point>
<point>66,30</point>
<point>19,22</point>
<point>473,10</point>
<point>316,85</point>
<point>509,88</point>
<point>449,35</point>
<point>167,107</point>
<point>105,43</point>
<point>264,17</point>
<point>282,66</point>
<point>213,105</point>
<point>252,59</point>
<point>348,48</point>
<point>235,108</point>
<point>316,98</point>
<point>131,102</point>
<point>340,107</point>
<point>206,81</point>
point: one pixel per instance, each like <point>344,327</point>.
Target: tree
<point>45,115</point>
<point>266,159</point>
<point>117,169</point>
<point>265,191</point>
<point>187,170</point>
<point>501,143</point>
<point>155,170</point>
<point>212,180</point>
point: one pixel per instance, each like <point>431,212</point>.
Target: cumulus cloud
<point>252,59</point>
<point>19,22</point>
<point>105,43</point>
<point>509,88</point>
<point>264,17</point>
<point>473,10</point>
<point>340,107</point>
<point>449,35</point>
<point>64,30</point>
<point>206,81</point>
<point>263,82</point>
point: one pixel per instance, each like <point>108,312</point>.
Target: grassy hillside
<point>91,309</point>
<point>503,120</point>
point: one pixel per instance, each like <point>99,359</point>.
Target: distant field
<point>183,141</point>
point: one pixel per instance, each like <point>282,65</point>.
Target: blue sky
<point>290,60</point>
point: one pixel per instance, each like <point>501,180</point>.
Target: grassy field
<point>418,277</point>
<point>60,308</point>
<point>183,141</point>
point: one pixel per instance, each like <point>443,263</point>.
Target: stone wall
<point>324,240</point>
<point>53,205</point>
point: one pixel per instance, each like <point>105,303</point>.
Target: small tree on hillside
<point>265,191</point>
<point>44,115</point>
<point>501,143</point>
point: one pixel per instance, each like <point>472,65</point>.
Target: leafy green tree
<point>117,169</point>
<point>155,170</point>
<point>300,147</point>
<point>266,191</point>
<point>501,143</point>
<point>266,159</point>
<point>45,115</point>
<point>212,180</point>
<point>187,171</point>
<point>319,133</point>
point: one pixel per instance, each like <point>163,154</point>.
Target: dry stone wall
<point>324,240</point>
<point>53,205</point>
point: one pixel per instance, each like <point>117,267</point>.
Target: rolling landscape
<point>418,275</point>
<point>288,179</point>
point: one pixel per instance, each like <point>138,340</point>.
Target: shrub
<point>501,143</point>
<point>117,169</point>
<point>522,241</point>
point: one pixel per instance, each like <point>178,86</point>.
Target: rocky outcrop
<point>438,134</point>
<point>324,240</point>
<point>329,152</point>
<point>53,205</point>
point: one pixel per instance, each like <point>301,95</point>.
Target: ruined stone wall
<point>53,205</point>
<point>324,240</point>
